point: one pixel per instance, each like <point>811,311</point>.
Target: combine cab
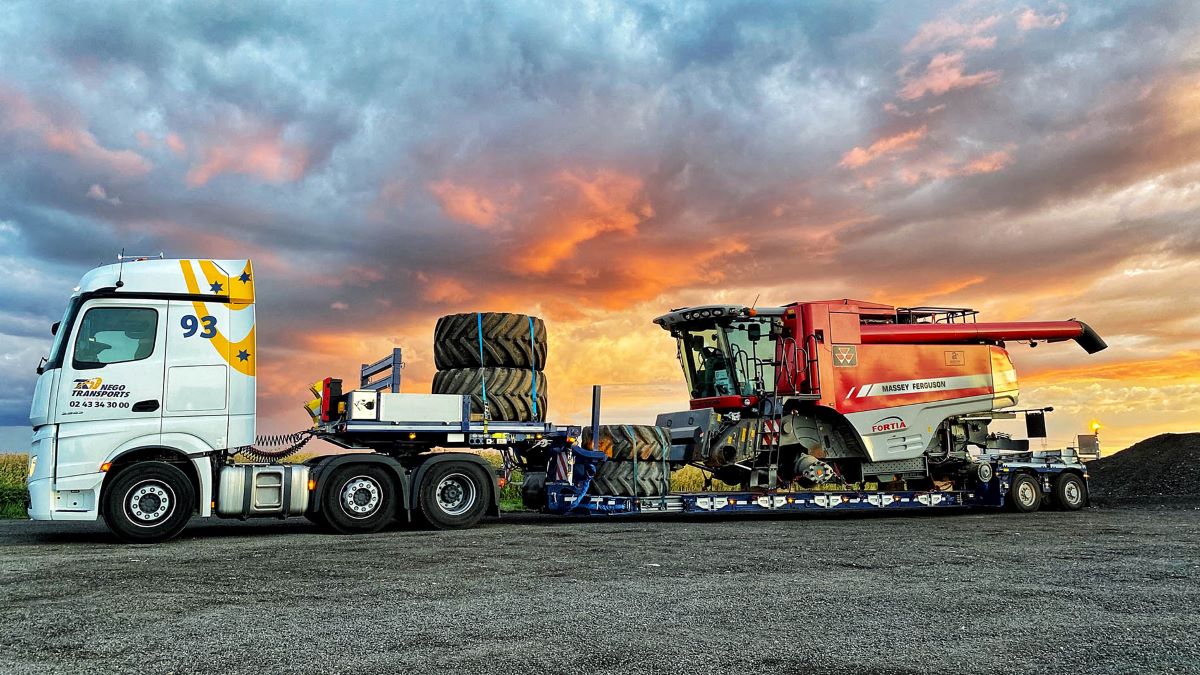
<point>847,392</point>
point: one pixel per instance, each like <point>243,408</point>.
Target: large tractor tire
<point>615,479</point>
<point>509,391</point>
<point>622,442</point>
<point>507,342</point>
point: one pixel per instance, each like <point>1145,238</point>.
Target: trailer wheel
<point>509,391</point>
<point>615,479</point>
<point>453,495</point>
<point>359,499</point>
<point>1070,492</point>
<point>1024,495</point>
<point>148,502</point>
<point>623,442</point>
<point>506,341</point>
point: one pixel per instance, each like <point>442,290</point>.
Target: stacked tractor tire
<point>636,465</point>
<point>495,355</point>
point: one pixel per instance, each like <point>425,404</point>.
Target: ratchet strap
<point>482,370</point>
<point>533,365</point>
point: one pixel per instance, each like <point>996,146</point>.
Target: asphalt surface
<point>1098,591</point>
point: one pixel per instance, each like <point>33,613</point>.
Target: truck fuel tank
<point>253,490</point>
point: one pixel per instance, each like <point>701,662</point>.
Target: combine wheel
<point>359,499</point>
<point>1024,495</point>
<point>509,391</point>
<point>616,479</point>
<point>1070,492</point>
<point>506,341</point>
<point>453,495</point>
<point>148,503</point>
<point>622,442</point>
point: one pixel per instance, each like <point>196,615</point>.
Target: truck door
<point>111,388</point>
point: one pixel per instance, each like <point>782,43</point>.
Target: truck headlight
<point>32,465</point>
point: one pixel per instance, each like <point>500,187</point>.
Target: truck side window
<point>115,335</point>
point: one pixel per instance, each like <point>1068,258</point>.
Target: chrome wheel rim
<point>149,502</point>
<point>360,496</point>
<point>1072,493</point>
<point>1026,493</point>
<point>455,494</point>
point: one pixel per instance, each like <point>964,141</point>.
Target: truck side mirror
<point>54,327</point>
<point>755,332</point>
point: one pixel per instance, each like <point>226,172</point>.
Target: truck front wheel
<point>148,502</point>
<point>453,495</point>
<point>359,500</point>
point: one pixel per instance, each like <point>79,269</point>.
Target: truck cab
<point>153,360</point>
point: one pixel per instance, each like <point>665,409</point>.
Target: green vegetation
<point>13,469</point>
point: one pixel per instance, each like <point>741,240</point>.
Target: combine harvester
<point>148,394</point>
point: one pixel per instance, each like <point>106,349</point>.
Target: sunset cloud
<point>599,164</point>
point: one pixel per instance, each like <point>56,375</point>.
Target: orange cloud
<point>580,207</point>
<point>859,157</point>
<point>948,31</point>
<point>989,163</point>
<point>176,144</point>
<point>945,73</point>
<point>467,205</point>
<point>1029,19</point>
<point>21,115</point>
<point>265,155</point>
<point>1178,368</point>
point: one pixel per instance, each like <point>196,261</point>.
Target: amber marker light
<point>106,466</point>
<point>312,484</point>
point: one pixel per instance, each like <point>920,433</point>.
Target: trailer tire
<point>359,499</point>
<point>1025,494</point>
<point>506,341</point>
<point>148,502</point>
<point>453,495</point>
<point>1070,492</point>
<point>509,391</point>
<point>616,479</point>
<point>623,442</point>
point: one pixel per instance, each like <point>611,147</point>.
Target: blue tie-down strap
<point>533,366</point>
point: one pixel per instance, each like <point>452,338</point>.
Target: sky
<point>599,163</point>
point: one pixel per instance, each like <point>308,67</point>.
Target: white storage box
<point>446,408</point>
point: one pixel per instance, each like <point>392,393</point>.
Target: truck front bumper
<point>46,503</point>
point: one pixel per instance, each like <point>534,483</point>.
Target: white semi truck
<point>148,394</point>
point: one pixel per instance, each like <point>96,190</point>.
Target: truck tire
<point>1025,494</point>
<point>359,499</point>
<point>616,479</point>
<point>506,341</point>
<point>148,502</point>
<point>509,391</point>
<point>623,442</point>
<point>453,495</point>
<point>1070,492</point>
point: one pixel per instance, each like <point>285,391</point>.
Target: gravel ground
<point>1098,591</point>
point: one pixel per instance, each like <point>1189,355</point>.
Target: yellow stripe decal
<point>239,355</point>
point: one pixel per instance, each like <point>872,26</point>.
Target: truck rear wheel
<point>623,442</point>
<point>1070,492</point>
<point>148,502</point>
<point>453,495</point>
<point>1025,494</point>
<point>507,342</point>
<point>616,479</point>
<point>509,391</point>
<point>359,499</point>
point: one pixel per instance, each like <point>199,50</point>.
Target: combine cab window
<point>705,364</point>
<point>753,360</point>
<point>115,335</point>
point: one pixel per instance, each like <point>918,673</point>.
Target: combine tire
<point>1070,492</point>
<point>509,391</point>
<point>622,442</point>
<point>506,341</point>
<point>615,479</point>
<point>1025,494</point>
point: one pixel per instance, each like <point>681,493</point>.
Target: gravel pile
<point>1164,469</point>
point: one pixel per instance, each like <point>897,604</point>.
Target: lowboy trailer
<point>148,397</point>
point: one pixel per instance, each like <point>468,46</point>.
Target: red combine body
<point>846,389</point>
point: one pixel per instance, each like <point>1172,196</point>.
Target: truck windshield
<point>55,359</point>
<point>726,361</point>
